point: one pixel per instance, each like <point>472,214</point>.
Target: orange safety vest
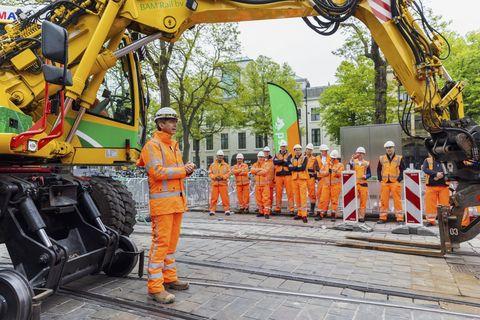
<point>219,169</point>
<point>390,169</point>
<point>259,170</point>
<point>336,175</point>
<point>163,163</point>
<point>240,171</point>
<point>280,168</point>
<point>323,169</point>
<point>360,169</point>
<point>312,166</point>
<point>299,175</point>
<point>270,169</point>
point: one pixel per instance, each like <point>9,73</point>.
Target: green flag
<point>284,117</point>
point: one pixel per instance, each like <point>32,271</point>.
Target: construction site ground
<point>245,267</point>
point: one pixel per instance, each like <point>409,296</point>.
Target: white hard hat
<point>266,149</point>
<point>334,154</point>
<point>261,154</point>
<point>165,113</point>
<point>361,150</point>
<point>283,143</point>
<point>323,147</point>
<point>240,156</point>
<point>220,152</point>
<point>309,146</point>
<point>389,144</point>
<point>297,146</point>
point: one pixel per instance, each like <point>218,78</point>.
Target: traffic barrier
<point>413,197</point>
<point>349,196</point>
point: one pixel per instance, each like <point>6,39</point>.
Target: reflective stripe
<point>155,265</point>
<point>170,173</point>
<point>170,256</point>
<point>155,276</point>
<point>166,194</point>
<point>170,266</point>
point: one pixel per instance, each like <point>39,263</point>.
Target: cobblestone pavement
<point>240,269</point>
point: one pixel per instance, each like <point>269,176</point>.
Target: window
<point>115,96</point>
<point>224,141</point>
<point>209,143</point>
<point>259,141</point>
<point>315,114</point>
<point>316,137</point>
<point>196,144</point>
<point>196,160</point>
<point>242,140</point>
<point>209,161</point>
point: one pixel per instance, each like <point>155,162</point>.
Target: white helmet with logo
<point>240,156</point>
<point>361,150</point>
<point>220,153</point>
<point>165,113</point>
<point>283,143</point>
<point>297,146</point>
<point>309,146</point>
<point>334,154</point>
<point>260,154</point>
<point>324,147</point>
<point>266,149</point>
<point>389,144</point>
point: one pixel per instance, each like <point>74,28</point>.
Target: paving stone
<point>285,313</point>
<point>258,313</point>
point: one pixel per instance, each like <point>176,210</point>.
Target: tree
<point>350,101</point>
<point>253,95</point>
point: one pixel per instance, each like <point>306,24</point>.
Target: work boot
<point>259,215</point>
<point>361,220</point>
<point>267,216</point>
<point>292,213</point>
<point>380,221</point>
<point>277,211</point>
<point>333,217</point>
<point>164,297</point>
<point>227,213</point>
<point>178,285</point>
<point>211,213</point>
<point>297,217</point>
<point>312,209</point>
<point>305,220</point>
<point>318,217</point>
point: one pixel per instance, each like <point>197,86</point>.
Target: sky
<point>310,54</point>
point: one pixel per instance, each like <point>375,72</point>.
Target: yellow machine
<point>101,121</point>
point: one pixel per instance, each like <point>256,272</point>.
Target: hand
<point>440,175</point>
<point>189,167</point>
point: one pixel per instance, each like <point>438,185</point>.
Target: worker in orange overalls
<point>323,160</point>
<point>312,167</point>
<point>242,182</point>
<point>436,192</point>
<point>363,173</point>
<point>219,175</point>
<point>331,194</point>
<point>163,163</point>
<point>390,173</point>
<point>262,185</point>
<point>271,171</point>
<point>298,167</point>
<point>283,178</point>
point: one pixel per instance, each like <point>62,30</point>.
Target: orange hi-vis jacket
<point>298,174</point>
<point>219,169</point>
<point>260,170</point>
<point>336,175</point>
<point>163,163</point>
<point>312,166</point>
<point>323,166</point>
<point>270,170</point>
<point>281,168</point>
<point>390,169</point>
<point>240,171</point>
<point>324,175</point>
<point>360,168</point>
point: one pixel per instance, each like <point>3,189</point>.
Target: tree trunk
<point>380,84</point>
<point>197,153</point>
<point>186,145</point>
<point>163,79</point>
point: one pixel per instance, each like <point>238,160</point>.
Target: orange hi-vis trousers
<point>300,193</point>
<point>393,190</point>
<point>322,188</point>
<point>330,196</point>
<point>434,196</point>
<point>311,190</point>
<point>161,261</point>
<point>280,183</point>
<point>362,194</point>
<point>262,196</point>
<point>221,190</point>
<point>243,195</point>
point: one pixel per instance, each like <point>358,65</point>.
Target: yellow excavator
<point>72,93</point>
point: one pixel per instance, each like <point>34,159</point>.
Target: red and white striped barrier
<point>381,9</point>
<point>349,196</point>
<point>413,200</point>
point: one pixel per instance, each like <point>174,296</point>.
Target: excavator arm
<point>412,47</point>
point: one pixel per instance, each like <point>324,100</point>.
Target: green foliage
<point>464,64</point>
<point>350,101</point>
<point>253,98</point>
